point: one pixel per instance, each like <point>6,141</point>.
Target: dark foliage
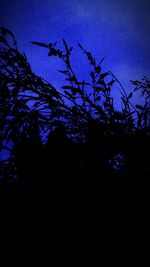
<point>95,158</point>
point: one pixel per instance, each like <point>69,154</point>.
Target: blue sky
<point>116,29</point>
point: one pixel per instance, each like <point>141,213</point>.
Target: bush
<point>90,148</point>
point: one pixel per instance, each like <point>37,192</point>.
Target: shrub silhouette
<point>93,153</point>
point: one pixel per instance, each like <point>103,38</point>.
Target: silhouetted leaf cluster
<point>93,152</point>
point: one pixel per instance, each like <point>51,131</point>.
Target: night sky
<point>118,30</point>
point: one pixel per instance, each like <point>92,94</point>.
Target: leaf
<point>97,69</point>
<point>139,107</point>
<point>134,82</point>
<point>130,95</point>
<point>66,87</point>
<point>100,81</point>
<point>82,83</point>
<point>66,47</point>
<point>73,89</point>
<point>71,79</point>
<point>3,40</point>
<point>68,94</point>
<point>55,44</point>
<point>92,75</point>
<point>70,49</point>
<point>64,72</point>
<point>81,46</point>
<point>4,31</point>
<point>40,44</point>
<point>36,104</point>
<point>103,75</point>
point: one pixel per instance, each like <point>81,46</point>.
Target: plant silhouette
<point>94,156</point>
